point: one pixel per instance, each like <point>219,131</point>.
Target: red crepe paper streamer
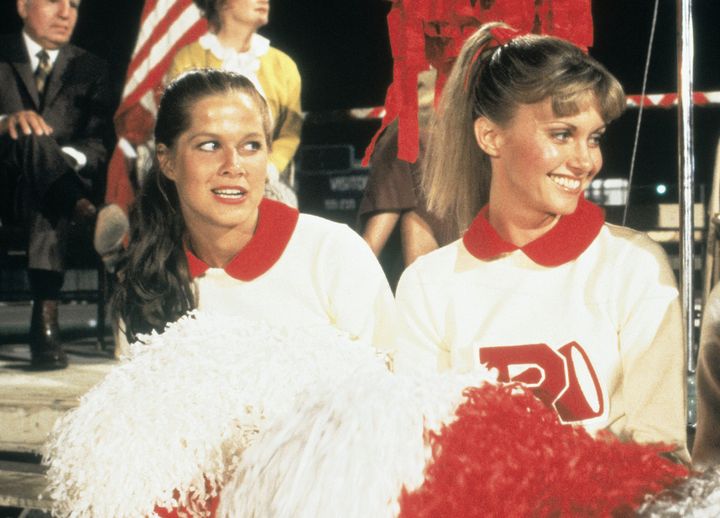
<point>508,455</point>
<point>432,32</point>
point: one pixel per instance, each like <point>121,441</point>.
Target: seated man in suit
<point>54,120</point>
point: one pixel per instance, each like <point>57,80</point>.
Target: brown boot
<point>45,347</point>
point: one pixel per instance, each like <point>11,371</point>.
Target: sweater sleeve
<point>420,343</point>
<point>288,123</point>
<point>190,57</point>
<point>706,448</point>
<point>357,296</point>
<point>653,353</point>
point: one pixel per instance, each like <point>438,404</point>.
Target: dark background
<point>342,50</point>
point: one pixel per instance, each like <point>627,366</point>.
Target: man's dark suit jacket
<point>77,105</point>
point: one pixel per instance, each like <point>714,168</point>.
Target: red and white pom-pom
<point>348,449</point>
<point>306,422</point>
<point>385,445</point>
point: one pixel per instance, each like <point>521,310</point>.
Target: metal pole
<point>685,171</point>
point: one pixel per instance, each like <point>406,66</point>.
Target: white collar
<point>259,46</point>
<point>34,47</point>
<point>245,63</point>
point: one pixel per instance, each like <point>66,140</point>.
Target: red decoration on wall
<point>432,32</point>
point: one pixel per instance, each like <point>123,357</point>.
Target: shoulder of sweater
<point>323,237</point>
<point>278,54</point>
<point>321,226</point>
<point>277,57</point>
<point>441,262</point>
<point>630,241</point>
<point>191,49</point>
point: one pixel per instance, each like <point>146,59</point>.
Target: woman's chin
<point>565,206</point>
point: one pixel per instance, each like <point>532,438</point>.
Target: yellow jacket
<point>280,80</point>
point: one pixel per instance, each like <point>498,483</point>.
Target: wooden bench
<point>22,485</point>
<point>30,403</point>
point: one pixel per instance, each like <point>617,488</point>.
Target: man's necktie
<point>42,71</point>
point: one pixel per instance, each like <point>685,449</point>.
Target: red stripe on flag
<point>163,31</point>
<point>154,77</point>
<point>139,55</point>
<point>147,9</point>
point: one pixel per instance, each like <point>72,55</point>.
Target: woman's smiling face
<point>543,162</point>
<point>219,164</point>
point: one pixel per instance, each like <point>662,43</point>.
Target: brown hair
<point>491,81</point>
<point>154,285</point>
<point>210,9</point>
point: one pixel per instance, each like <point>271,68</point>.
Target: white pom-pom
<point>181,411</point>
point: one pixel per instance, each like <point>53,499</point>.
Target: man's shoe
<point>46,351</point>
<point>49,360</point>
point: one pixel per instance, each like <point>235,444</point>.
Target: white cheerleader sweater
<point>301,270</point>
<point>588,314</point>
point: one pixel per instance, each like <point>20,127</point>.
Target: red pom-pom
<point>509,455</point>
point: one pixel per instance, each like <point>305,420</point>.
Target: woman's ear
<point>488,136</point>
<point>165,160</point>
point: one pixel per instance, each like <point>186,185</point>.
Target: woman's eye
<point>210,145</point>
<point>596,140</point>
<point>253,145</point>
<point>561,136</point>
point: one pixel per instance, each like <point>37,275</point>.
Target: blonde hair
<point>491,81</point>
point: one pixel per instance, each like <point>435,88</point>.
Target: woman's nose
<point>582,159</point>
<point>233,164</point>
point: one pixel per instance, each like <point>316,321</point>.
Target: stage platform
<point>31,401</point>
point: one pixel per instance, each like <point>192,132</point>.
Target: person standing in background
<point>393,197</point>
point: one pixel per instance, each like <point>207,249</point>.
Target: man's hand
<point>85,211</point>
<point>26,122</point>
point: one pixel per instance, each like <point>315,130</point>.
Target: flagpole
<point>684,42</point>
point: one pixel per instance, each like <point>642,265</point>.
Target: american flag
<point>165,27</point>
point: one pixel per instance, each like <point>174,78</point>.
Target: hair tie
<point>499,37</point>
<point>503,35</point>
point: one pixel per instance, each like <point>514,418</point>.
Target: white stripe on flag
<point>162,45</point>
<point>147,101</point>
<point>155,18</point>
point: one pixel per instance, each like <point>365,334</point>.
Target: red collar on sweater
<point>276,224</point>
<point>569,238</point>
